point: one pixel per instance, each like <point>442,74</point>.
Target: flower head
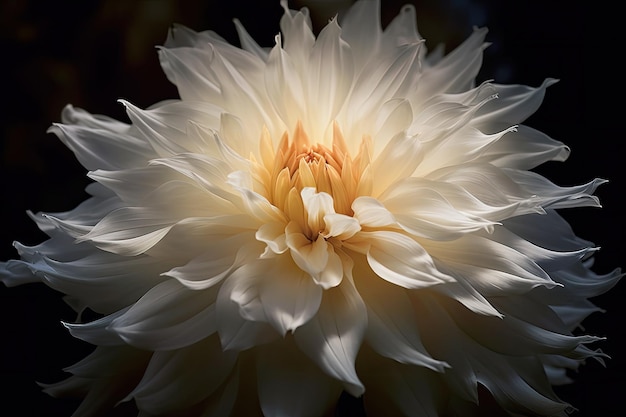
<point>340,212</point>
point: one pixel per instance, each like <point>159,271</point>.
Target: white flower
<point>337,213</point>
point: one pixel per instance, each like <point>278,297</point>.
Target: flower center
<point>297,163</point>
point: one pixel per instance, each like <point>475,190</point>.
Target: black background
<point>92,53</point>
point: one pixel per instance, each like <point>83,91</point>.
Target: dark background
<point>92,53</point>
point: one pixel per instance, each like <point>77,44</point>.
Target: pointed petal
<point>170,316</point>
<point>236,332</point>
<point>514,105</point>
<point>333,337</point>
<point>391,329</point>
<point>398,259</point>
<point>329,78</point>
<point>361,29</point>
<point>175,380</point>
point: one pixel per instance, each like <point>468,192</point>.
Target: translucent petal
<point>392,330</point>
<point>284,85</point>
<point>514,105</point>
<point>96,148</point>
<point>361,29</point>
<point>456,71</point>
<point>489,266</point>
<point>333,337</point>
<point>235,332</point>
<point>329,78</point>
<point>398,259</point>
<point>248,43</point>
<point>175,380</point>
<point>170,316</point>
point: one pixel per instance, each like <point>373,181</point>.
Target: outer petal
<point>515,103</point>
<point>236,332</point>
<point>103,378</point>
<point>330,72</point>
<point>457,71</point>
<point>219,260</point>
<point>333,337</point>
<point>276,291</point>
<point>169,316</point>
<point>398,259</point>
<point>362,31</point>
<point>296,28</point>
<point>284,85</point>
<point>392,330</point>
<point>489,266</point>
<point>176,380</point>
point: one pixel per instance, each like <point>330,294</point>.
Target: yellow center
<point>297,163</point>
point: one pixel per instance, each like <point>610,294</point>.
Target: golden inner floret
<point>297,163</point>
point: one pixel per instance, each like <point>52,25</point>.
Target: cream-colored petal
<point>169,316</point>
<point>177,379</point>
<point>333,337</point>
<point>398,259</point>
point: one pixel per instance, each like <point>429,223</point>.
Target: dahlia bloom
<point>340,212</point>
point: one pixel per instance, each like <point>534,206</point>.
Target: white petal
<point>553,196</point>
<point>272,234</point>
<point>403,28</point>
<point>235,332</point>
<point>187,68</point>
<point>170,316</point>
<point>397,160</point>
<point>219,260</point>
<point>296,26</point>
<point>441,334</point>
<point>284,85</point>
<point>165,127</point>
<point>391,329</point>
<point>434,210</point>
<point>97,277</point>
<point>525,391</point>
<point>394,116</point>
<point>290,298</point>
<point>175,380</point>
<point>524,148</point>
<point>489,266</point>
<point>371,212</point>
<point>457,70</point>
<point>106,361</point>
<point>310,256</point>
<point>96,148</point>
<point>317,205</point>
<point>97,332</point>
<point>398,259</point>
<point>381,80</point>
<point>515,103</point>
<point>129,231</point>
<point>333,337</point>
<point>340,226</point>
<point>361,29</point>
<point>223,400</point>
<point>329,78</point>
<point>248,43</point>
<point>468,296</point>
